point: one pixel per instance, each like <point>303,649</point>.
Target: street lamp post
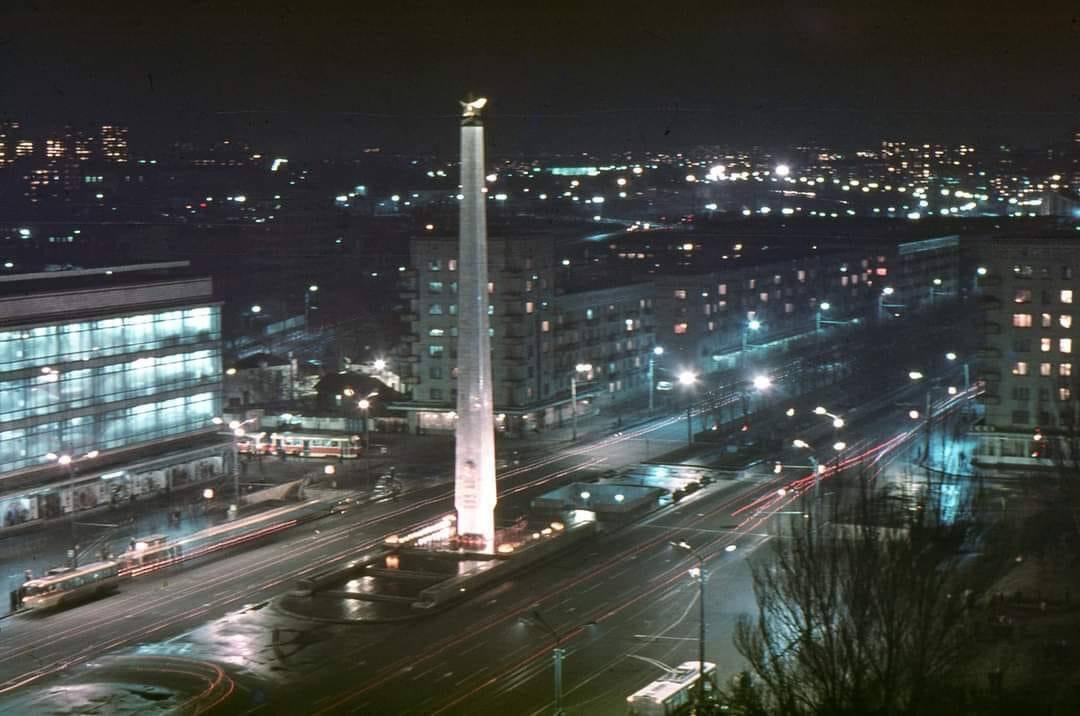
<point>657,351</point>
<point>557,655</point>
<point>823,306</point>
<point>813,465</point>
<point>579,368</point>
<point>237,428</point>
<point>752,325</point>
<point>68,464</point>
<point>309,294</point>
<point>686,380</point>
<point>701,614</point>
<point>365,405</point>
<point>882,304</point>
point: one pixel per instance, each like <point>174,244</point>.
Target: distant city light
<point>782,170</point>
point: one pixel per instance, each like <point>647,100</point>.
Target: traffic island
<point>427,570</point>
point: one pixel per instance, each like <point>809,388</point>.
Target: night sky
<point>562,76</point>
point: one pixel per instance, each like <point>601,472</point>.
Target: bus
<point>68,586</point>
<point>307,444</point>
<point>672,693</point>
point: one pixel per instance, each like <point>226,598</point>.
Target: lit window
<point>435,350</point>
<point>680,293</point>
<point>1045,368</point>
<point>1046,344</point>
<point>435,286</point>
<point>529,307</point>
<point>434,265</point>
<point>436,332</point>
<point>1022,295</point>
<point>1065,345</point>
<point>451,265</point>
<point>1020,368</point>
<point>589,314</point>
<point>491,287</point>
<point>435,309</point>
<point>1064,394</point>
<point>545,326</point>
<point>1047,320</point>
<point>1022,320</point>
<point>680,328</point>
<point>752,283</point>
<point>1065,369</point>
<point>881,271</point>
<point>1066,295</point>
<point>800,275</point>
<point>722,289</point>
<point>1065,320</point>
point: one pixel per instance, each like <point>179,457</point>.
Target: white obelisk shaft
<point>474,463</point>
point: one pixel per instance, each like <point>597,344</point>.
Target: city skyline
<point>640,79</point>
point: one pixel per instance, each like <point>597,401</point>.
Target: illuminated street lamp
<point>68,463</point>
<point>883,303</point>
<point>751,325</point>
<point>309,296</point>
<point>823,306</point>
<point>236,428</point>
<point>762,382</point>
<point>687,379</point>
<point>582,368</point>
<point>837,421</point>
<point>558,653</point>
<point>701,577</point>
<point>657,351</point>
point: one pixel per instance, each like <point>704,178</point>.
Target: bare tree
<point>863,618</point>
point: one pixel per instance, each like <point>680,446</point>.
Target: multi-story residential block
<point>538,337</point>
<point>109,381</point>
<point>1028,289</point>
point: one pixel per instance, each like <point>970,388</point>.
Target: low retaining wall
<point>318,582</point>
<point>459,587</point>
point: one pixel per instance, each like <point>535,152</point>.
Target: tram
<point>71,585</point>
<point>309,444</point>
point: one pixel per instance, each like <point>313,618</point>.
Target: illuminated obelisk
<point>474,452</point>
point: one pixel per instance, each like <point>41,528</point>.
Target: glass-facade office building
<point>101,364</point>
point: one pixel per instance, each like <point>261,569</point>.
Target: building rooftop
<point>75,279</point>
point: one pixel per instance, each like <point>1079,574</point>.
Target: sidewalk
<point>48,545</point>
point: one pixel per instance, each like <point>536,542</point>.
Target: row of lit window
<point>55,392</point>
<point>1027,271</point>
<point>53,345</point>
<point>1025,320</point>
<point>1023,295</point>
<point>1046,345</point>
<point>1045,369</point>
<point>24,447</point>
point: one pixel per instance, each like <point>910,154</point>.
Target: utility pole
<point>701,616</point>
